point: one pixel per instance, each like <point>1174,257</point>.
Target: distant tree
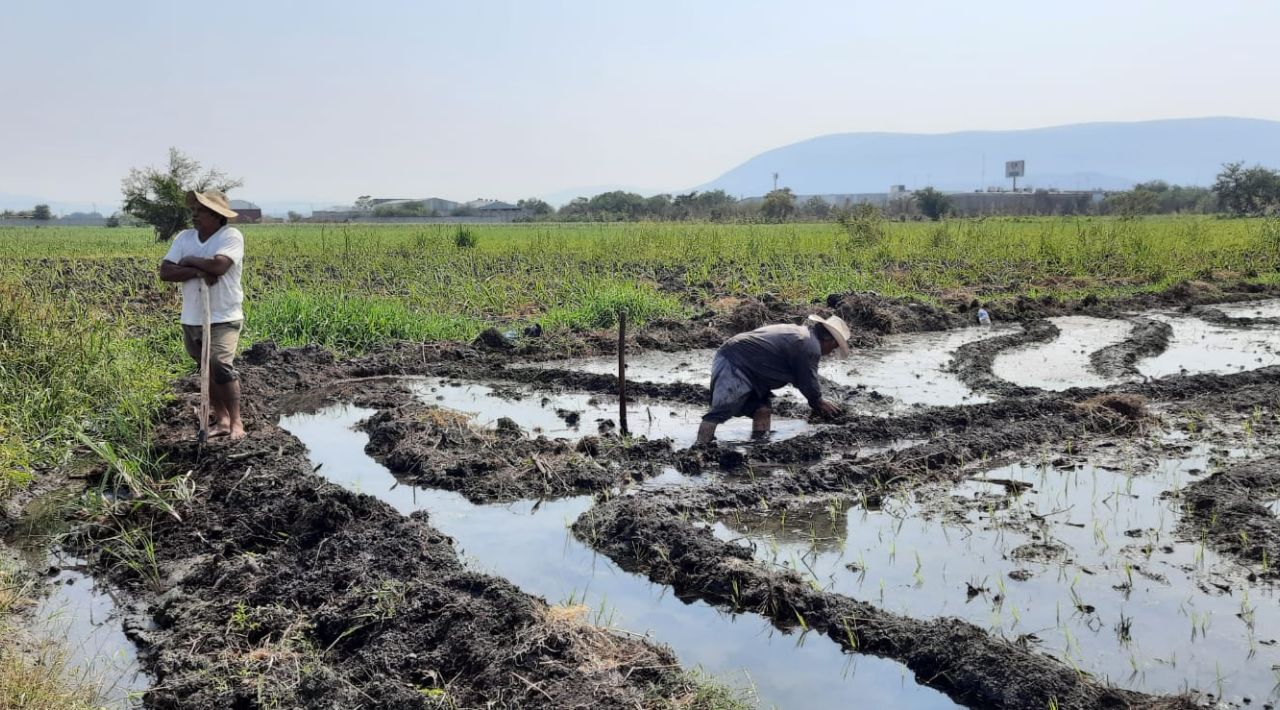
<point>616,205</point>
<point>658,206</point>
<point>364,203</point>
<point>779,204</point>
<point>295,216</point>
<point>575,209</point>
<point>1135,202</point>
<point>817,207</point>
<point>113,221</point>
<point>535,206</point>
<point>159,197</point>
<point>41,212</point>
<point>932,203</point>
<point>1247,191</point>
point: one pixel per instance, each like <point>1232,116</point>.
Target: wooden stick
<point>205,351</point>
<point>622,372</point>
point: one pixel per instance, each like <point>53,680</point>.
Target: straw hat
<point>838,329</point>
<point>215,200</point>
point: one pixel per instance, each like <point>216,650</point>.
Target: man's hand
<point>828,409</point>
<point>210,279</point>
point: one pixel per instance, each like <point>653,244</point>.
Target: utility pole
<point>775,181</point>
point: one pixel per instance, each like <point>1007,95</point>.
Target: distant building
<point>491,206</point>
<point>247,212</point>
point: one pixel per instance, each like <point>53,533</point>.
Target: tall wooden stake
<point>622,372</point>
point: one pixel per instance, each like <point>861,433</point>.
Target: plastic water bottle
<point>984,318</point>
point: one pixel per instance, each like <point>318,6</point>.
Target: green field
<point>89,342</point>
<point>89,345</point>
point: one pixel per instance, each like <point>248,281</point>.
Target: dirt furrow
<point>647,535</point>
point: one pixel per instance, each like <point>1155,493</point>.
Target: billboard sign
<point>1015,168</point>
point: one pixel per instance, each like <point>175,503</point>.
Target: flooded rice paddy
<point>1063,362</point>
<point>529,543</point>
<point>572,415</point>
<point>1199,347</point>
<point>1081,562</point>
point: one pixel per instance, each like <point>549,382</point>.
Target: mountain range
<point>1112,156</point>
<point>1109,156</point>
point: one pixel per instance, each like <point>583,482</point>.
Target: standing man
<point>749,366</point>
<point>212,251</point>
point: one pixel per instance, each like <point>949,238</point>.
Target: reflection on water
<point>1084,562</point>
<point>1199,347</point>
<point>529,544</point>
<point>548,412</point>
<point>1064,362</point>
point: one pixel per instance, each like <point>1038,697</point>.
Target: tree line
<point>156,197</point>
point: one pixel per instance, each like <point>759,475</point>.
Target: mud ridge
<point>1217,317</point>
<point>646,536</point>
<point>1148,338</point>
<point>1225,509</point>
<point>972,361</point>
<point>277,588</point>
<point>434,447</point>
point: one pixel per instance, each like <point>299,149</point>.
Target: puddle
<point>80,617</point>
<point>1200,347</point>
<point>687,366</point>
<point>1084,586</point>
<point>1064,362</point>
<point>1255,309</point>
<point>77,616</point>
<point>529,544</point>
<point>910,367</point>
<point>535,412</point>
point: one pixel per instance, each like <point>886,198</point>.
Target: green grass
<point>90,341</point>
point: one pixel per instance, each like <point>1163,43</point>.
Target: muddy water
<point>529,544</point>
<point>1200,347</point>
<point>536,412</point>
<point>1101,582</point>
<point>1064,362</point>
<point>77,618</point>
<point>911,367</point>
<point>82,619</point>
<point>688,366</point>
<point>1254,309</point>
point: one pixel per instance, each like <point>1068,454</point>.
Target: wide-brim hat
<point>215,200</point>
<point>838,329</point>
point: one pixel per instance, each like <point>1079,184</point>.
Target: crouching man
<point>749,366</point>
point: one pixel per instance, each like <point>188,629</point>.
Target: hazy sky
<point>324,101</point>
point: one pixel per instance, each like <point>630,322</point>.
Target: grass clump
<point>598,306</point>
<point>66,373</point>
<point>349,323</point>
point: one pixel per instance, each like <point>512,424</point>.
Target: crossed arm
<point>194,267</point>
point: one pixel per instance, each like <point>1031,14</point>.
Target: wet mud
<point>1234,510</point>
<point>973,362</point>
<point>970,665</point>
<point>1147,339</point>
<point>277,587</point>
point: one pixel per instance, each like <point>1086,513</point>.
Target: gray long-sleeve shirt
<point>778,355</point>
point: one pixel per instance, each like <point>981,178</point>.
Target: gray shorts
<point>732,394</point>
<point>223,338</point>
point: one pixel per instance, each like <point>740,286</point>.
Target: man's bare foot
<point>219,430</point>
<point>237,432</point>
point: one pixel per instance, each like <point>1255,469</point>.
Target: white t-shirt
<point>225,297</point>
